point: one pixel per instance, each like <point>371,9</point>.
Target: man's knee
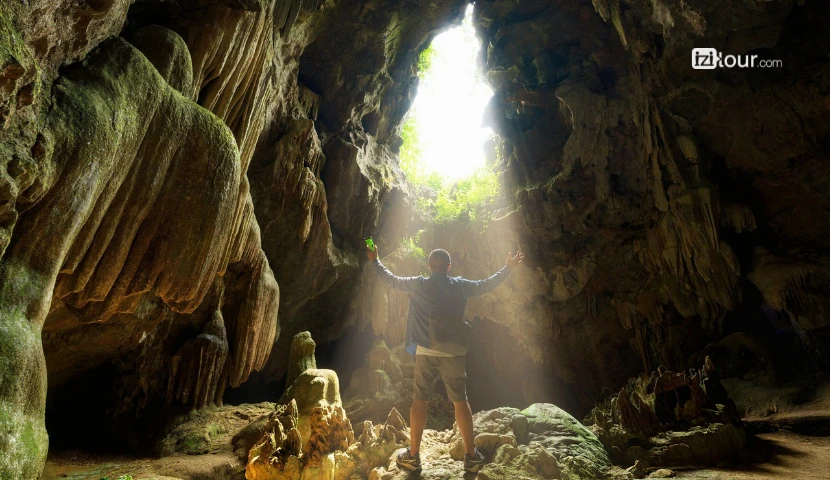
<point>456,389</point>
<point>462,408</point>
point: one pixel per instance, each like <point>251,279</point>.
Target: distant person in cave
<point>436,333</point>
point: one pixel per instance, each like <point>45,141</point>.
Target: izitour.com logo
<point>711,58</point>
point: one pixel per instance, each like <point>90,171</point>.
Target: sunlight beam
<point>449,105</point>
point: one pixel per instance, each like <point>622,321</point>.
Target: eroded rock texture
<point>129,223</point>
<point>175,174</point>
<point>119,140</point>
<point>644,189</point>
<point>672,420</point>
<point>539,442</point>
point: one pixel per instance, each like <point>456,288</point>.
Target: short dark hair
<point>439,260</point>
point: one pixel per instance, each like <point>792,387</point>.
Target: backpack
<point>449,335</point>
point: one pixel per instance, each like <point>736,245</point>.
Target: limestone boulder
<point>554,445</point>
<point>671,420</point>
<point>310,388</point>
<point>542,440</point>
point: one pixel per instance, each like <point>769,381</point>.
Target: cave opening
<point>448,153</point>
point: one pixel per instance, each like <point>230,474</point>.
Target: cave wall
<point>655,200</point>
<point>177,173</point>
<point>161,157</point>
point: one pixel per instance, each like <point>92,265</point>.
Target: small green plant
<point>413,246</point>
<point>193,444</point>
<point>425,60</point>
<point>214,430</point>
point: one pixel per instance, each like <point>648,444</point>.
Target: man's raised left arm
<point>474,288</point>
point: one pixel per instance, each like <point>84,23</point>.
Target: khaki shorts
<point>451,369</point>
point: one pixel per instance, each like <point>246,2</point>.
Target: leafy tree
<point>445,200</point>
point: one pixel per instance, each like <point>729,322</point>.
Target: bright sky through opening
<point>450,103</point>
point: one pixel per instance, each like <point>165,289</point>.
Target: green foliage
<point>468,195</point>
<point>412,158</point>
<point>194,444</point>
<point>425,60</point>
<point>412,244</point>
<point>445,200</point>
<point>215,430</point>
<point>411,150</point>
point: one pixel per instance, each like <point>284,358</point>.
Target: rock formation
<point>312,390</point>
<point>670,420</point>
<point>308,436</point>
<point>542,441</point>
<point>174,174</point>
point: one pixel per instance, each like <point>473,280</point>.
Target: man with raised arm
<point>436,333</point>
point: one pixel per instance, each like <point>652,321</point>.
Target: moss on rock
<point>23,438</point>
<point>131,158</point>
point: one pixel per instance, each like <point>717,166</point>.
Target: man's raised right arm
<point>405,284</point>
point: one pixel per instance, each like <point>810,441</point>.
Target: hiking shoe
<point>473,464</point>
<point>408,462</point>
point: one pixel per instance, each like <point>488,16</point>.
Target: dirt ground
<point>791,456</point>
<point>199,449</point>
<point>76,465</point>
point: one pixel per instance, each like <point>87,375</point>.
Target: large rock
<point>551,444</point>
<point>84,242</point>
<point>121,247</point>
<point>673,420</point>
<point>320,444</point>
<point>542,441</point>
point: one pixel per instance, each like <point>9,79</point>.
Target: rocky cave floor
<point>308,428</point>
<point>795,445</point>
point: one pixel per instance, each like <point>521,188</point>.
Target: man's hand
<point>514,260</point>
<point>372,255</point>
